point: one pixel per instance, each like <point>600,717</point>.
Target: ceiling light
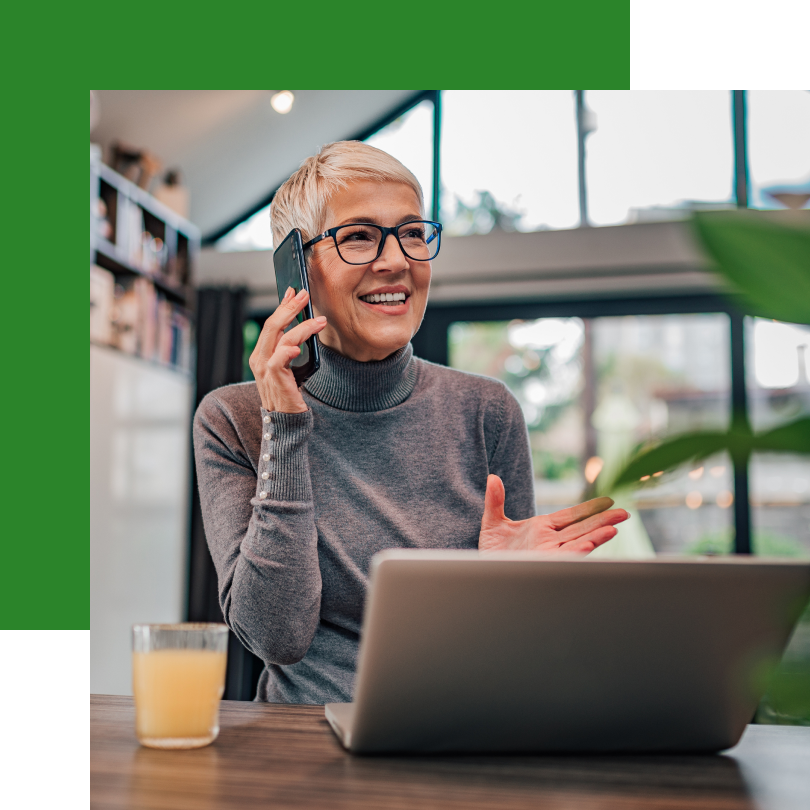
<point>282,102</point>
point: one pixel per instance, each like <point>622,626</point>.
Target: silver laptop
<point>461,653</point>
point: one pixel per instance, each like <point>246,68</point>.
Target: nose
<point>392,258</point>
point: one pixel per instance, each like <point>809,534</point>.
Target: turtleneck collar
<point>353,386</point>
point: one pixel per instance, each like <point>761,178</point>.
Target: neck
<point>351,385</point>
<point>361,352</point>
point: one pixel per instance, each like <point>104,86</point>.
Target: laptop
<point>523,653</point>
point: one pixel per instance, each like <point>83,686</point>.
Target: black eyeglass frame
<point>385,233</point>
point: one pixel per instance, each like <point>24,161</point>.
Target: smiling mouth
<point>386,299</point>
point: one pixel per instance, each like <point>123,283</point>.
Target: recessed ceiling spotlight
<point>282,102</point>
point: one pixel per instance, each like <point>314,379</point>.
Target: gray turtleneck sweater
<point>390,454</point>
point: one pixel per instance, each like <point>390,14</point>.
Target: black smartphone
<point>291,271</point>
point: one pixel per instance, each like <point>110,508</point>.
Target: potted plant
<point>765,259</point>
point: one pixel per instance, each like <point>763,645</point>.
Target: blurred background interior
<point>569,271</point>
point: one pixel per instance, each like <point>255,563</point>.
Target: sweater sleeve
<point>261,530</point>
<point>511,460</point>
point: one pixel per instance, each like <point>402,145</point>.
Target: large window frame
<point>431,343</point>
<point>739,131</point>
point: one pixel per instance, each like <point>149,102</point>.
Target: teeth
<point>383,298</point>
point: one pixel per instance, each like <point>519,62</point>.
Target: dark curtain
<point>220,318</point>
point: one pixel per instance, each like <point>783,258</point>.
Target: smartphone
<point>291,271</point>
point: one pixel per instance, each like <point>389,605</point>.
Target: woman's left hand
<point>577,530</point>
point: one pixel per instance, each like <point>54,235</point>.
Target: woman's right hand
<point>270,360</point>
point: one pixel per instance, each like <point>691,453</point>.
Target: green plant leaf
<point>766,260</point>
<point>791,438</point>
<point>671,453</point>
<point>738,442</point>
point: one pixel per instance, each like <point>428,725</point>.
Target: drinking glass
<point>178,677</point>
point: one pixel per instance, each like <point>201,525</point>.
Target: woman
<point>300,487</point>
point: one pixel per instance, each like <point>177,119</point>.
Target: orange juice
<point>177,694</point>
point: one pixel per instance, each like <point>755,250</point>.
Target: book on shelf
<point>147,314</point>
<point>132,316</point>
<point>126,318</point>
<point>137,301</point>
<point>146,251</point>
<point>164,331</point>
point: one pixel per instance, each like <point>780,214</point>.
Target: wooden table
<point>286,756</point>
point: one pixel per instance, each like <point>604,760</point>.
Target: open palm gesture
<point>576,530</point>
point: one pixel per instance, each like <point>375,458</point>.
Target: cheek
<point>323,294</point>
<point>333,295</point>
<point>421,279</point>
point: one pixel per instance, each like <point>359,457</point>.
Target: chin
<point>382,351</point>
<point>389,344</point>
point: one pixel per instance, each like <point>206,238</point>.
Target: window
<point>592,389</point>
<point>508,160</point>
<point>655,155</point>
<point>409,139</point>
<point>252,234</point>
<point>778,147</point>
<point>509,157</point>
<point>778,380</point>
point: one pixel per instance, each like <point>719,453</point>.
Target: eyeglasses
<point>362,242</point>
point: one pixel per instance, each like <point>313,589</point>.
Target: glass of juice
<point>178,676</point>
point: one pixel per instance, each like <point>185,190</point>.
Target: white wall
<point>139,505</point>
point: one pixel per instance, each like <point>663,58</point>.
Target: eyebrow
<point>374,221</point>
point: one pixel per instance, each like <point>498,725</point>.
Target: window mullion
<point>437,147</point>
<point>738,105</point>
<point>739,417</point>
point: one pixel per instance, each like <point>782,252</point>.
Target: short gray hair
<point>301,202</point>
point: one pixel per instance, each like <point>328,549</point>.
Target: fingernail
<point>290,292</point>
<point>301,294</point>
<point>628,514</point>
<point>321,319</point>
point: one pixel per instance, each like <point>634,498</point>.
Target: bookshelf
<point>142,256</point>
<point>142,259</point>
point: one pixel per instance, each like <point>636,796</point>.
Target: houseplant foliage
<point>766,262</point>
